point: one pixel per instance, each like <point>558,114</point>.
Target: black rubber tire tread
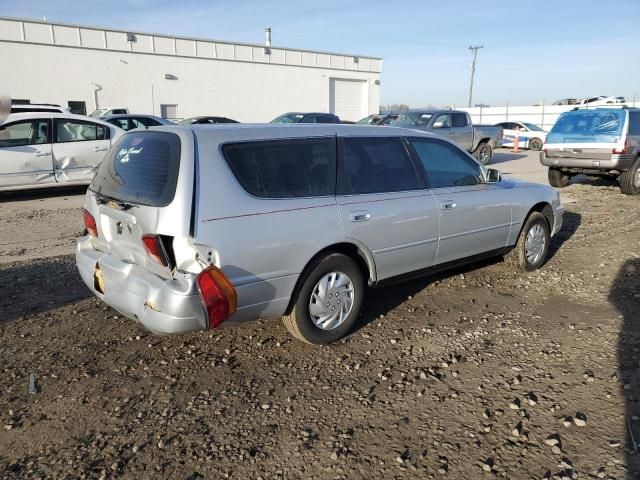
<point>516,258</point>
<point>476,153</point>
<point>558,179</point>
<point>298,321</point>
<point>627,178</point>
<point>535,144</point>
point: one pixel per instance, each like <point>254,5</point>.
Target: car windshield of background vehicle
<point>370,120</point>
<point>412,119</point>
<point>588,126</point>
<point>289,118</point>
<point>532,127</point>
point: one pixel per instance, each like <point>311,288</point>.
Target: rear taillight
<point>153,245</point>
<point>218,295</point>
<point>90,223</point>
<point>624,149</point>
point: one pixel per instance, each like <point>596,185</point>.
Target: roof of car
<point>35,105</point>
<point>127,115</point>
<point>36,115</point>
<point>310,113</point>
<point>247,132</point>
<point>434,110</point>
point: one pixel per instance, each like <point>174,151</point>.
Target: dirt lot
<point>478,373</point>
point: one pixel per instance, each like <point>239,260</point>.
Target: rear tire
<point>532,247</point>
<point>630,180</point>
<point>558,179</point>
<point>535,144</point>
<point>325,288</point>
<point>483,153</point>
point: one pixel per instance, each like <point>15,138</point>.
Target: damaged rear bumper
<point>160,305</point>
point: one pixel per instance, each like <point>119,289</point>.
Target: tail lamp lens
<point>624,149</point>
<point>218,295</point>
<point>155,249</point>
<point>90,223</point>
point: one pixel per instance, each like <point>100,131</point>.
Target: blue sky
<point>534,51</point>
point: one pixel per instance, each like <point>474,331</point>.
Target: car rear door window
<point>79,131</point>
<point>459,120</point>
<point>26,132</point>
<point>284,168</point>
<point>376,165</point>
<point>634,123</point>
<point>326,119</point>
<point>142,168</point>
<point>445,164</point>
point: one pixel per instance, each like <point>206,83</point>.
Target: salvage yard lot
<point>463,375</point>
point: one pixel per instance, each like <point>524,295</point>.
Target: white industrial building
<point>178,77</point>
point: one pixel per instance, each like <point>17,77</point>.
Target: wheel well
<point>546,210</point>
<point>484,140</point>
<point>350,250</point>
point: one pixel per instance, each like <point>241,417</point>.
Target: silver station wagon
<point>190,227</point>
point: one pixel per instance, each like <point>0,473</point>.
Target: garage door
<point>348,99</point>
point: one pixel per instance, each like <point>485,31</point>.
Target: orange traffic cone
<point>516,144</point>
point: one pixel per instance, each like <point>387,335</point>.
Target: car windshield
<point>533,127</point>
<point>186,121</point>
<point>412,119</point>
<point>588,126</point>
<point>289,118</point>
<point>370,120</point>
<point>99,112</point>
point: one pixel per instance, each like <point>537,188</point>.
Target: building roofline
<point>177,37</point>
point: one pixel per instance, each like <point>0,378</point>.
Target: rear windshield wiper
<point>103,199</point>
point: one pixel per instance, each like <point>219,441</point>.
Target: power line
<point>475,49</point>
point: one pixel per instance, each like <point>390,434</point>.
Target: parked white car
<point>601,100</point>
<point>50,149</point>
<point>103,112</point>
<point>529,135</point>
<point>40,108</point>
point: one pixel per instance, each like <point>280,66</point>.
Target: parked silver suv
<point>596,141</point>
<point>190,227</point>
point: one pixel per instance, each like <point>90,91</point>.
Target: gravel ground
<point>476,373</point>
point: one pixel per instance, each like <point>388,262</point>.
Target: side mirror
<point>438,125</point>
<point>493,176</point>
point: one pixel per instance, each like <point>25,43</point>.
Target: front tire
<point>630,180</point>
<point>532,247</point>
<point>328,301</point>
<point>558,179</point>
<point>483,153</point>
<point>535,144</point>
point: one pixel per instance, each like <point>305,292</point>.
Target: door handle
<point>99,149</point>
<point>41,154</point>
<point>360,216</point>
<point>449,205</point>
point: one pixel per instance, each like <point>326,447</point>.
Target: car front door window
<point>446,165</point>
<point>442,121</point>
<point>475,217</point>
<point>29,132</point>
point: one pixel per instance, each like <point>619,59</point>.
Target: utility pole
<point>473,69</point>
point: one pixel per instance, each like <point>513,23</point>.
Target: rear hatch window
<point>588,126</point>
<point>141,168</point>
